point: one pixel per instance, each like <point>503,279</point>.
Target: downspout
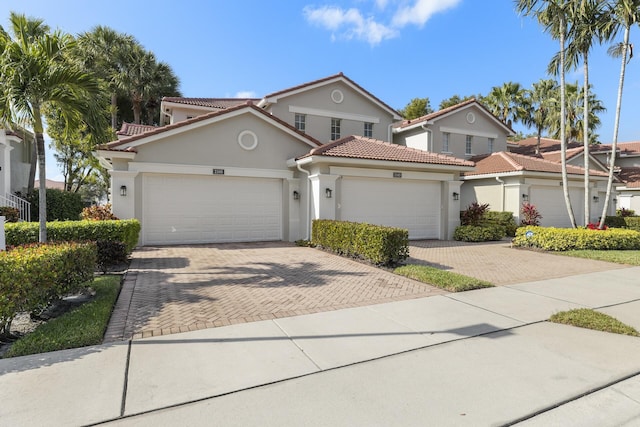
<point>308,218</point>
<point>502,193</point>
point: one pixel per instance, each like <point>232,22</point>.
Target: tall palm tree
<point>540,102</point>
<point>625,14</point>
<point>506,101</point>
<point>35,73</point>
<point>553,15</point>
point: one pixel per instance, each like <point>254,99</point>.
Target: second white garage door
<point>414,205</point>
<point>550,203</point>
<point>210,209</point>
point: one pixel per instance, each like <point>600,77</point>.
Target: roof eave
<point>320,159</point>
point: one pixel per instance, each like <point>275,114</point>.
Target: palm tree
<point>35,73</point>
<point>506,101</point>
<point>540,102</point>
<point>625,14</point>
<point>553,15</point>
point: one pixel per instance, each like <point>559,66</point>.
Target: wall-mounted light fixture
<point>327,192</point>
<point>456,196</point>
<point>525,197</point>
<point>296,195</point>
<point>596,199</point>
<point>615,200</point>
<point>123,190</point>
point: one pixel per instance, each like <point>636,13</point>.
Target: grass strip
<point>620,257</point>
<point>591,319</point>
<point>452,282</point>
<point>83,326</point>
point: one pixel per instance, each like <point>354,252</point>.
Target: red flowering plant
<point>530,215</point>
<point>595,226</point>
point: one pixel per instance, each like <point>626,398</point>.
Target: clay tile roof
<point>130,129</point>
<point>629,148</point>
<point>161,129</point>
<point>630,176</point>
<point>218,103</point>
<point>527,146</point>
<point>555,156</point>
<point>434,115</point>
<point>505,162</point>
<point>359,147</point>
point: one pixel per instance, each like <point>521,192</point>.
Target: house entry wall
<point>210,209</point>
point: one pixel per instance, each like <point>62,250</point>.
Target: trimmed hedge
<point>565,239</point>
<point>504,219</point>
<point>630,222</point>
<point>125,231</point>
<point>32,276</point>
<point>61,205</point>
<point>377,244</point>
<point>479,233</point>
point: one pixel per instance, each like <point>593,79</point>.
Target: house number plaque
<point>397,174</point>
<point>218,171</point>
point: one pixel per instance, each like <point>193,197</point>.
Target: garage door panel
<point>206,209</point>
<point>414,205</point>
<point>550,203</point>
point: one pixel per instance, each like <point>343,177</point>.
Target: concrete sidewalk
<point>483,357</point>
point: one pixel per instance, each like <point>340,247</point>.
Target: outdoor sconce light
<point>327,192</point>
<point>525,197</point>
<point>296,195</point>
<point>123,190</point>
<point>456,196</point>
<point>596,199</point>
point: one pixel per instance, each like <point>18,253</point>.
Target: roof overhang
<point>531,174</point>
<point>105,157</point>
<point>384,164</point>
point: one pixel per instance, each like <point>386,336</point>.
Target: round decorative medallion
<point>248,140</point>
<point>471,117</point>
<point>337,96</point>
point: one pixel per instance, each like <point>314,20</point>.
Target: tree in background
<point>506,102</point>
<point>417,107</point>
<point>455,100</point>
<point>539,104</point>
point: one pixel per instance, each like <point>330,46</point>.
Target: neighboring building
<point>49,183</point>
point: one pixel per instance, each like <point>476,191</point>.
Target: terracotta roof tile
<point>130,129</point>
<point>359,147</point>
<point>505,162</point>
<point>434,115</point>
<point>630,176</point>
<point>527,146</point>
<point>218,103</point>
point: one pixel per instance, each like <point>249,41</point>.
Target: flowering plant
<point>595,226</point>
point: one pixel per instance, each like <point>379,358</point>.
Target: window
<point>445,142</point>
<point>301,122</point>
<point>491,141</point>
<point>335,129</point>
<point>467,149</point>
<point>368,130</point>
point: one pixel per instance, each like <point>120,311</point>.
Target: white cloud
<point>353,24</point>
<point>245,94</point>
<point>420,12</point>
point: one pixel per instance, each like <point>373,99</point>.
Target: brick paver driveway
<point>181,288</point>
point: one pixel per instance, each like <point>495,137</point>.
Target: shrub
<point>565,239</point>
<point>504,219</point>
<point>374,243</point>
<point>624,212</point>
<point>474,214</point>
<point>630,222</point>
<point>34,275</point>
<point>10,214</point>
<point>125,231</point>
<point>530,215</point>
<point>110,254</point>
<point>61,205</point>
<point>479,233</point>
<point>98,213</point>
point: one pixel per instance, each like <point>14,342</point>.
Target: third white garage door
<point>550,203</point>
<point>210,209</point>
<point>411,204</point>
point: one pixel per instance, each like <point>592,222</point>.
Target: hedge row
<point>503,219</point>
<point>125,231</point>
<point>630,222</point>
<point>479,233</point>
<point>34,275</point>
<point>565,239</point>
<point>377,244</point>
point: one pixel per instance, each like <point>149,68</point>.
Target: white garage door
<point>414,205</point>
<point>210,209</point>
<point>550,203</point>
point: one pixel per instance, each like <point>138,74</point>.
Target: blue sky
<point>396,49</point>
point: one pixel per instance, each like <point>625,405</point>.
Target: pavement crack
<point>126,380</point>
<point>296,344</point>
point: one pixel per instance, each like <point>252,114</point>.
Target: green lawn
<point>452,282</point>
<point>83,326</point>
<point>620,257</point>
<point>591,319</point>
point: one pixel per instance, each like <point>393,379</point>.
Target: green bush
<point>565,239</point>
<point>110,254</point>
<point>630,222</point>
<point>474,214</point>
<point>61,205</point>
<point>34,275</point>
<point>125,231</point>
<point>377,244</point>
<point>504,219</point>
<point>479,233</point>
<point>10,214</point>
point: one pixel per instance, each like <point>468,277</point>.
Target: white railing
<point>19,203</point>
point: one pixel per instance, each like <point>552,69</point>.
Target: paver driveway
<point>181,288</point>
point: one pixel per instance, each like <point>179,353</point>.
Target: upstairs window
<point>445,142</point>
<point>335,129</point>
<point>368,130</point>
<point>301,122</point>
<point>491,143</point>
<point>467,149</point>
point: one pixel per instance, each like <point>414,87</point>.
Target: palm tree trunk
<point>585,131</point>
<point>33,161</point>
<point>616,125</point>
<point>563,124</point>
<point>114,111</point>
<point>42,174</point>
